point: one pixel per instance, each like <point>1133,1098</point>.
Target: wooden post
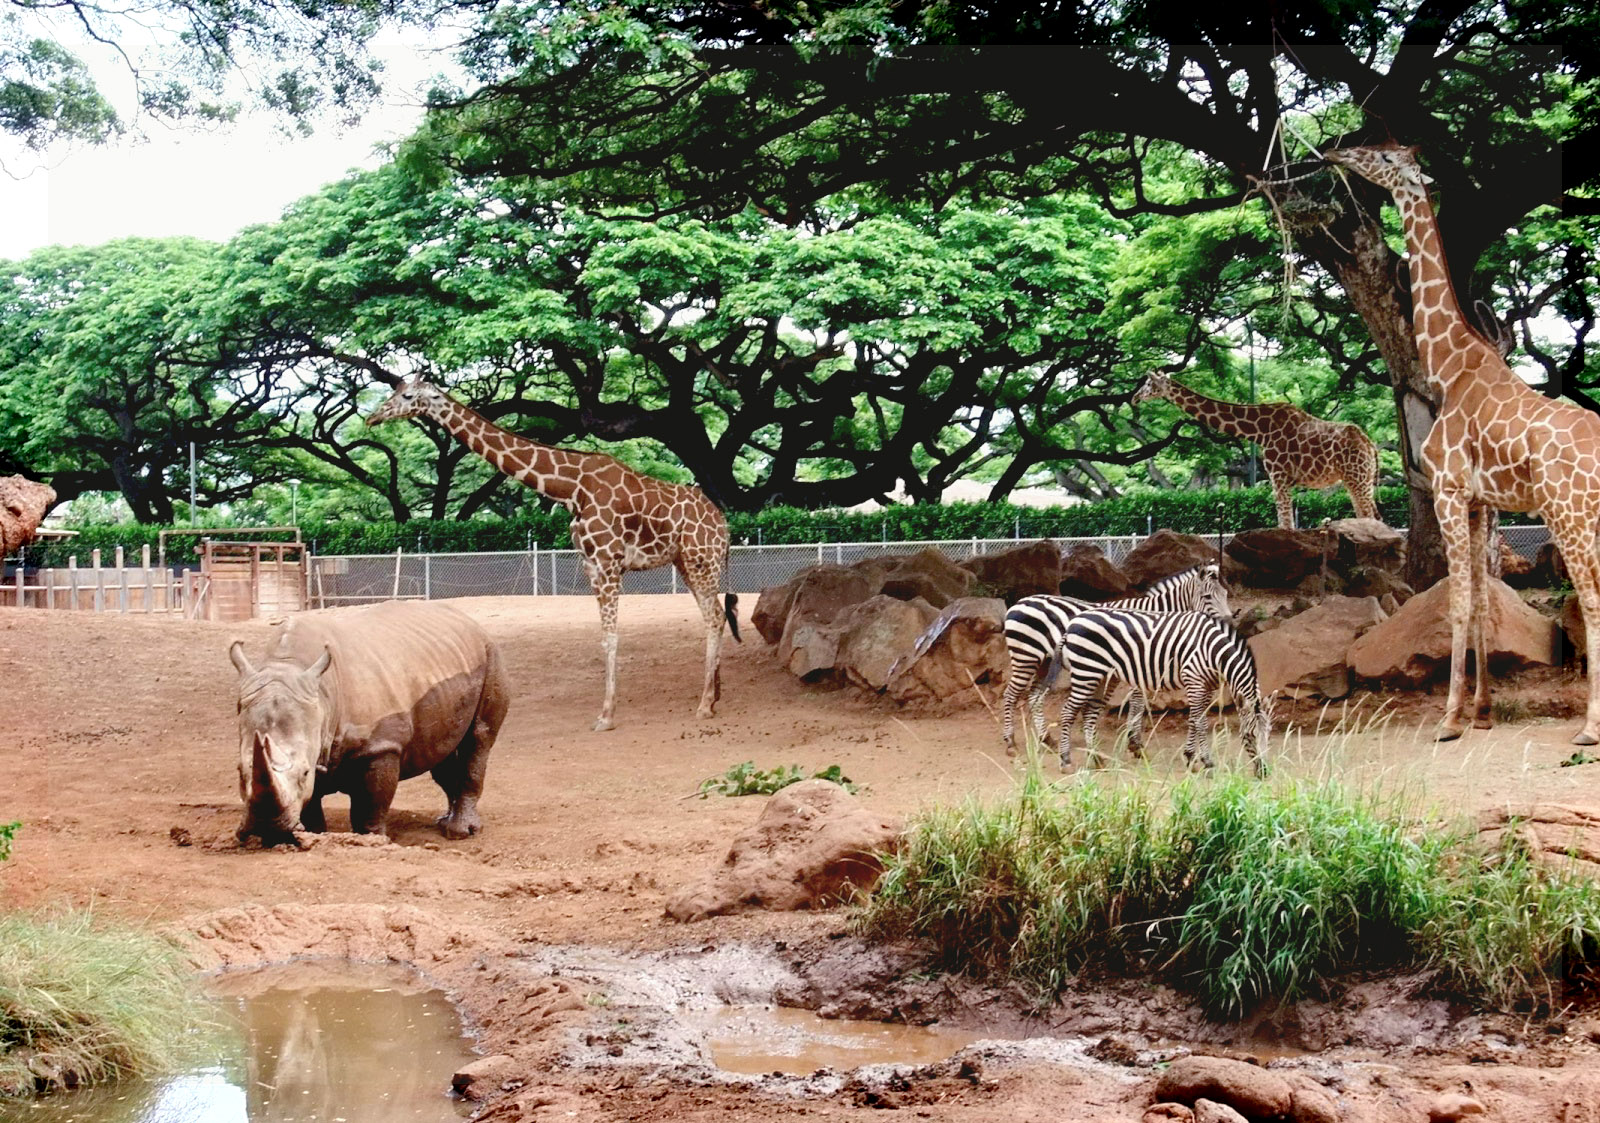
<point>122,582</point>
<point>99,582</point>
<point>72,580</point>
<point>149,578</point>
<point>20,602</point>
<point>50,587</point>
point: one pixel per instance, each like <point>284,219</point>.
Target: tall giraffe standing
<point>621,521</point>
<point>1496,445</point>
<point>1296,448</point>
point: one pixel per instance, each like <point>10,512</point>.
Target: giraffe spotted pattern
<point>621,521</point>
<point>1297,450</point>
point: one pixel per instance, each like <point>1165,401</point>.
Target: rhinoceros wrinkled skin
<point>355,700</point>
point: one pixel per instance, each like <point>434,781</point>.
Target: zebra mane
<point>1193,573</point>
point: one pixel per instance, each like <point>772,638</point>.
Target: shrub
<point>746,779</point>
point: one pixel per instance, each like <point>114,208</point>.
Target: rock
<point>929,575</point>
<point>1381,583</point>
<point>772,609</point>
<point>1164,553</point>
<point>478,1080</point>
<point>966,645</point>
<point>1274,558</point>
<point>1549,569</point>
<point>1453,1106</point>
<point>1313,1105</point>
<point>1366,544</point>
<point>875,634</point>
<point>822,595</point>
<point>1574,631</point>
<point>1022,572</point>
<point>813,846</point>
<point>1168,1113</point>
<point>23,506</point>
<point>1305,655</point>
<point>1515,570</point>
<point>1414,644</point>
<point>1563,836</point>
<point>1209,1111</point>
<point>1086,572</point>
<point>1248,1088</point>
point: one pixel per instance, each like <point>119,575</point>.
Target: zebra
<point>1153,651</point>
<point>1035,625</point>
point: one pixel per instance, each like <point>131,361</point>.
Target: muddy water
<point>310,1042</point>
<point>766,1039</point>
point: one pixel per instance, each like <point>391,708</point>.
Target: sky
<point>186,181</point>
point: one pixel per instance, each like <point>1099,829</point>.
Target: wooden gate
<point>243,580</point>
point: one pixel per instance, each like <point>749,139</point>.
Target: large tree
<point>708,109</point>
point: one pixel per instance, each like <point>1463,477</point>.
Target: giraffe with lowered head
<point>621,520</point>
<point>1296,448</point>
<point>1496,445</point>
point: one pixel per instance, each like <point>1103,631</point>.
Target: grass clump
<point>84,1002</point>
<point>1240,891</point>
<point>746,779</point>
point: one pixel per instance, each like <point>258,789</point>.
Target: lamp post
<point>294,502</point>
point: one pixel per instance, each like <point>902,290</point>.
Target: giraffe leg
<point>1578,548</point>
<point>1283,498</point>
<point>607,584</point>
<point>705,587</point>
<point>1451,508</point>
<point>1481,526</point>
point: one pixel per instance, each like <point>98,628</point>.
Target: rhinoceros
<point>355,700</point>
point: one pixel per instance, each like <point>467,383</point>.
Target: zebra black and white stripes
<point>1151,651</point>
<point>1035,626</point>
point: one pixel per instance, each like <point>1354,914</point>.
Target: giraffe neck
<point>552,472</point>
<point>1435,311</point>
<point>1236,418</point>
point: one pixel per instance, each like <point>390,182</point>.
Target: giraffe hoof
<point>1483,723</point>
<point>1449,732</point>
<point>601,725</point>
<point>705,711</point>
<point>1586,738</point>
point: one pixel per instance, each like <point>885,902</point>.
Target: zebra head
<point>1255,730</point>
<point>1213,594</point>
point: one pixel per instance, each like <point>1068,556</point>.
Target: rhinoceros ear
<point>236,653</point>
<point>324,660</point>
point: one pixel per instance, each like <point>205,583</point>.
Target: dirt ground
<point>118,753</point>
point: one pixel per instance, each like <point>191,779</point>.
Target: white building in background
<point>975,491</point>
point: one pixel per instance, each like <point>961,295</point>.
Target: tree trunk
<point>1372,276</point>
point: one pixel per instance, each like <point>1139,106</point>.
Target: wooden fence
<point>100,588</point>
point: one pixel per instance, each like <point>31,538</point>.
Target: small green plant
<point>1510,711</point>
<point>746,779</point>
<point>1579,757</point>
<point>8,831</point>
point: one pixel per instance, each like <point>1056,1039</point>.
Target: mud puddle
<point>760,1040</point>
<point>317,1041</point>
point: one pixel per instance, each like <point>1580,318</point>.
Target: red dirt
<point>118,751</point>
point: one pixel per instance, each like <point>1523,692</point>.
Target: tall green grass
<point>1237,890</point>
<point>85,1002</point>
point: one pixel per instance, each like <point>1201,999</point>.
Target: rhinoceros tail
<point>730,610</point>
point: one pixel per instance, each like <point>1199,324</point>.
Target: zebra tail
<point>730,607</point>
<point>1053,671</point>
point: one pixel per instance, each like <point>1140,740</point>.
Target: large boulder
<point>928,575</point>
<point>1366,543</point>
<point>1086,572</point>
<point>1021,572</point>
<point>1549,568</point>
<point>1305,655</point>
<point>1413,645</point>
<point>1164,553</point>
<point>813,846</point>
<point>1565,836</point>
<point>877,633</point>
<point>965,645</point>
<point>1575,631</point>
<point>23,506</point>
<point>1250,1089</point>
<point>822,595</point>
<point>1274,557</point>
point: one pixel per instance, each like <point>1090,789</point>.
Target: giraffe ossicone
<point>1496,445</point>
<point>622,520</point>
<point>1297,450</point>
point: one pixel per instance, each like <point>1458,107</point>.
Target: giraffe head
<point>1154,386</point>
<point>1387,165</point>
<point>414,397</point>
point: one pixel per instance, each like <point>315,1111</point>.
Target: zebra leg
<point>1023,676</point>
<point>1092,708</point>
<point>1135,726</point>
<point>1069,711</point>
<point>1198,692</point>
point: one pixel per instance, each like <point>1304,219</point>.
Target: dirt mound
<point>257,934</point>
<point>813,846</point>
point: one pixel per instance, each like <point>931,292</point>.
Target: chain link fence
<point>358,578</point>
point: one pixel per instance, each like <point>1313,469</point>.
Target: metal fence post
<point>427,576</point>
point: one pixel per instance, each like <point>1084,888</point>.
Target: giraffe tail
<point>730,607</point>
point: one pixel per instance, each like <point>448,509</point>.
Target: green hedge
<point>1195,512</point>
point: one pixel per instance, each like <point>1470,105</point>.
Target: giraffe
<point>1297,449</point>
<point>1496,445</point>
<point>621,521</point>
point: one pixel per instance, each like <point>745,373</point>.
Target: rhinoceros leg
<point>461,773</point>
<point>311,817</point>
<point>373,792</point>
